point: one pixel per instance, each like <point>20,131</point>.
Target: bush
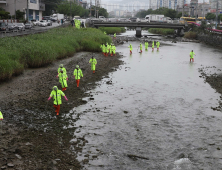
<point>112,30</point>
<point>37,50</point>
<point>190,35</point>
<point>163,31</point>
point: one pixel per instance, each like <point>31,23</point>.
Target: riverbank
<point>33,51</point>
<point>33,138</point>
<point>112,30</point>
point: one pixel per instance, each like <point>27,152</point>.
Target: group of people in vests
<point>63,78</point>
<point>146,46</point>
<point>108,49</point>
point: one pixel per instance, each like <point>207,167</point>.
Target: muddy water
<point>154,112</point>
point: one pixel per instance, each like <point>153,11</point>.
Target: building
<point>36,7</point>
<point>213,6</point>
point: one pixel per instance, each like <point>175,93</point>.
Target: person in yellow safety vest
<point>131,48</point>
<point>61,68</point>
<point>111,50</point>
<point>191,56</point>
<point>105,32</point>
<point>141,48</point>
<point>157,45</point>
<point>63,78</point>
<point>153,45</point>
<point>114,49</point>
<point>77,74</point>
<point>93,64</point>
<point>146,45</point>
<point>1,116</point>
<point>114,36</point>
<point>103,49</point>
<point>57,94</point>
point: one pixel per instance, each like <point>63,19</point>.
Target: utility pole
<point>70,10</point>
<point>27,10</point>
<point>90,8</point>
<point>95,8</point>
<point>217,14</point>
<point>15,9</point>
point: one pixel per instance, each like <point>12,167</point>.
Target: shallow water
<point>155,114</point>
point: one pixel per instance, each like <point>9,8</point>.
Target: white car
<point>43,23</point>
<point>143,20</point>
<point>36,23</point>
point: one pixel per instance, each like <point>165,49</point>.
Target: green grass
<point>112,30</point>
<point>163,31</point>
<point>18,53</point>
<point>190,35</point>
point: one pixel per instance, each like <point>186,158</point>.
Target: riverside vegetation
<point>18,53</point>
<point>163,31</point>
<point>112,30</point>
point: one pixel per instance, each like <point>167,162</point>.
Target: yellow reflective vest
<point>77,73</point>
<point>57,96</point>
<point>62,79</point>
<point>63,69</point>
<point>1,116</point>
<point>93,63</point>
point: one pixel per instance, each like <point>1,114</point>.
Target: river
<point>155,112</point>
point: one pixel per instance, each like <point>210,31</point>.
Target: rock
<point>125,111</point>
<point>18,156</point>
<point>3,167</point>
<point>10,165</point>
<point>91,98</point>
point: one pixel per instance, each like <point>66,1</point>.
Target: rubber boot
<point>63,89</point>
<point>57,114</point>
<point>94,71</point>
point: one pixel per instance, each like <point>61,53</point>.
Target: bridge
<point>140,25</point>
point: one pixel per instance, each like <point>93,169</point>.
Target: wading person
<point>191,56</point>
<point>93,64</point>
<point>61,68</point>
<point>141,48</point>
<point>63,78</point>
<point>57,97</point>
<point>77,74</point>
<point>157,45</point>
<point>152,45</point>
<point>131,48</point>
<point>146,45</point>
<point>114,35</point>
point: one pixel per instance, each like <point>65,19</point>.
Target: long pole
<point>70,10</point>
<point>217,14</point>
<point>90,8</point>
<point>27,10</point>
<point>15,9</point>
<point>95,8</point>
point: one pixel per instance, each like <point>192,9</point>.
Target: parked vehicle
<point>155,18</point>
<point>43,23</point>
<point>4,27</point>
<point>29,25</point>
<point>46,17</point>
<point>57,17</point>
<point>20,26</point>
<point>49,22</point>
<point>12,27</point>
<point>123,20</point>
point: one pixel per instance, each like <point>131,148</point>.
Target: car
<point>20,26</point>
<point>12,27</point>
<point>134,19</point>
<point>4,27</point>
<point>49,22</point>
<point>28,25</point>
<point>36,23</point>
<point>46,17</point>
<point>53,19</point>
<point>143,20</point>
<point>43,23</point>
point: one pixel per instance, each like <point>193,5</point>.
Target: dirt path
<point>33,137</point>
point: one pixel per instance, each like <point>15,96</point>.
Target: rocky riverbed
<point>32,136</point>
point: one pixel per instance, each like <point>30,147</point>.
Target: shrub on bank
<point>190,35</point>
<point>112,30</point>
<point>163,31</point>
<point>18,53</point>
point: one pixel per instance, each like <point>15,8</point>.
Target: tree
<point>179,15</point>
<point>220,17</point>
<point>210,16</point>
<point>50,6</point>
<point>20,14</point>
<point>4,14</point>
